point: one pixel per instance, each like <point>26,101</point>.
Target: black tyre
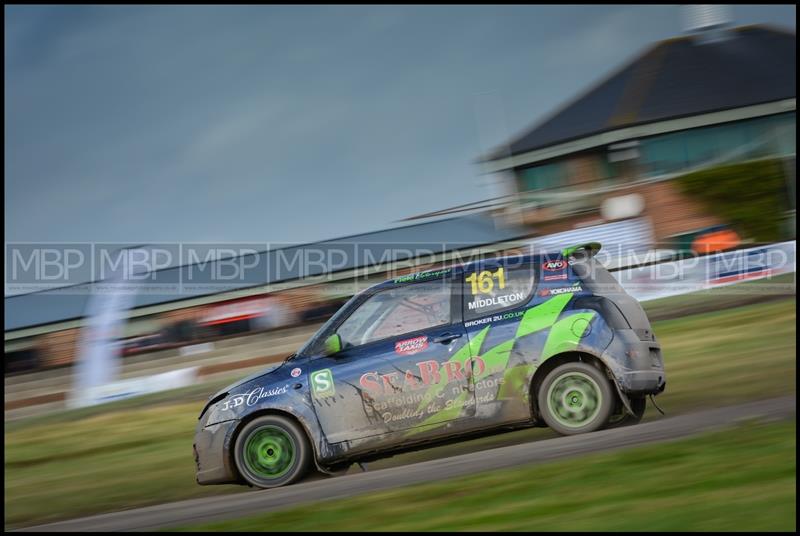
<point>272,451</point>
<point>575,398</point>
<point>621,417</point>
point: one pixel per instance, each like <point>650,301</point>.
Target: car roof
<point>589,248</point>
<point>430,275</point>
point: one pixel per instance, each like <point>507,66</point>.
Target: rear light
<point>655,357</point>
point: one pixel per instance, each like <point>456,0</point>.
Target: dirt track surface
<point>243,504</point>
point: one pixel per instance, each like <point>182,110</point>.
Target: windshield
<point>307,348</point>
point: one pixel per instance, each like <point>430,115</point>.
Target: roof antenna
<point>707,23</point>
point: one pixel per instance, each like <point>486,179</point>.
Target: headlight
<point>211,402</point>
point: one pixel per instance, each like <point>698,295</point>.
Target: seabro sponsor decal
<point>554,266</point>
<point>404,414</point>
<point>251,398</point>
<point>425,374</point>
<point>411,346</point>
<point>407,406</point>
<point>505,300</point>
<point>560,290</point>
<point>555,277</point>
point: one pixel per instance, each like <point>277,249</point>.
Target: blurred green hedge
<point>750,196</point>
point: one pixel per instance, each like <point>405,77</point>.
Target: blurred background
<point>191,191</point>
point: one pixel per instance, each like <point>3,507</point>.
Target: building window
<point>623,159</point>
<point>663,154</point>
<point>729,142</point>
<point>777,134</point>
<point>543,177</point>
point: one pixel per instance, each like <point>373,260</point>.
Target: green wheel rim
<point>269,452</point>
<point>574,399</point>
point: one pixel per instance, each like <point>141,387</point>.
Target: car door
<point>401,364</point>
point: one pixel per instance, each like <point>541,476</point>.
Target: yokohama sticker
<point>411,346</point>
<point>562,290</point>
<point>554,266</point>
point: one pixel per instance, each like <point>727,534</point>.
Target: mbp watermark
<point>178,270</point>
<point>35,267</point>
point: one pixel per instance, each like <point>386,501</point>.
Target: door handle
<point>447,338</point>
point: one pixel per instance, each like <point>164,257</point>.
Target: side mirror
<point>333,345</point>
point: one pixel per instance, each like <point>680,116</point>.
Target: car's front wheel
<point>575,398</point>
<point>272,451</point>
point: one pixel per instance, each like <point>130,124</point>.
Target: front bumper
<point>212,453</point>
<point>637,364</point>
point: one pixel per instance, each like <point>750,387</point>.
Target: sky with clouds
<point>285,123</point>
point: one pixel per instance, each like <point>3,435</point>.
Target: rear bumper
<point>637,364</point>
<point>213,454</point>
<point>643,382</point>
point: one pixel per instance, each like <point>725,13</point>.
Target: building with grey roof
<point>702,99</point>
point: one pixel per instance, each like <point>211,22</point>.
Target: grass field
<point>72,464</point>
<point>743,479</point>
<point>695,484</point>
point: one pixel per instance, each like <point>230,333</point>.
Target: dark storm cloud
<point>280,123</point>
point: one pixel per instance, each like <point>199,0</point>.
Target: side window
<point>489,290</point>
<point>396,311</point>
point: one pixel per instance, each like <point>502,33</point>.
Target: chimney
<point>707,23</point>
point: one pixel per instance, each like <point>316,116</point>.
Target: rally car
<point>535,340</point>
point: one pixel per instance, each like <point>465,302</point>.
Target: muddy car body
<point>539,340</point>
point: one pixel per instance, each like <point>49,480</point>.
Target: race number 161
<point>483,282</point>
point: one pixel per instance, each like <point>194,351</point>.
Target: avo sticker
<point>554,266</point>
<point>411,346</point>
<point>296,372</point>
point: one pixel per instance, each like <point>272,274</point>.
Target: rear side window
<point>490,290</point>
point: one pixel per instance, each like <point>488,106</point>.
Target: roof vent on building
<point>708,23</point>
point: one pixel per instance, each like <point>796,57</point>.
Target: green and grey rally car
<point>532,340</point>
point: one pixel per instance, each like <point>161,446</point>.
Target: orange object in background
<point>715,241</point>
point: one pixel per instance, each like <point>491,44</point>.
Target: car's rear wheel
<point>621,417</point>
<point>272,451</point>
<point>575,398</point>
